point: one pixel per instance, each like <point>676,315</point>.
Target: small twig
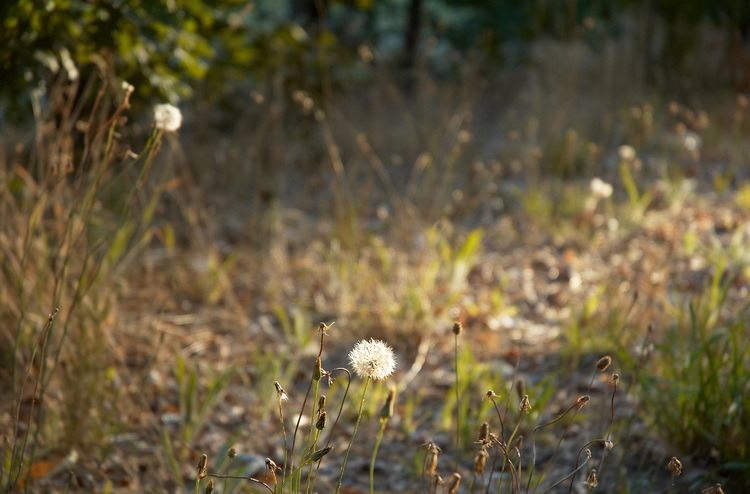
<point>239,477</point>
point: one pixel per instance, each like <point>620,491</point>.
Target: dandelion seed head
<point>167,117</point>
<point>372,359</point>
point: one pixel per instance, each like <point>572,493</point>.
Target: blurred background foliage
<point>165,48</point>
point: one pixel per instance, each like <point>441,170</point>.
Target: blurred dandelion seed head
<point>167,117</point>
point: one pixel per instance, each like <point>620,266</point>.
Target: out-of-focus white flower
<point>691,141</point>
<point>372,359</point>
<point>126,87</point>
<point>69,64</point>
<point>627,153</point>
<point>600,189</point>
<point>167,117</point>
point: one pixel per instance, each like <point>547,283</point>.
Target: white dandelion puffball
<point>167,117</point>
<point>372,359</point>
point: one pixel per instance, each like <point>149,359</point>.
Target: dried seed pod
<point>453,483</point>
<point>603,363</point>
<point>484,431</point>
<point>457,328</point>
<point>202,466</point>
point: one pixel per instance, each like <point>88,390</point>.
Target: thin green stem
<point>351,440</point>
<point>283,434</point>
<point>458,401</point>
<point>375,453</point>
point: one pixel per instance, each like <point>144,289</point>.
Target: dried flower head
<point>280,393</point>
<point>372,359</point>
<point>321,423</point>
<point>167,117</point>
<point>271,469</point>
<point>525,407</point>
<point>603,363</point>
<point>323,328</point>
<point>714,489</point>
<point>453,483</point>
<point>457,328</point>
<point>210,487</point>
<point>583,400</point>
<point>484,431</point>
<point>591,481</point>
<point>232,453</point>
<point>490,394</point>
<point>321,403</point>
<point>675,467</point>
<point>615,379</point>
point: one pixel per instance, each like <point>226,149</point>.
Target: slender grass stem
<point>375,453</point>
<point>351,440</point>
<point>458,400</point>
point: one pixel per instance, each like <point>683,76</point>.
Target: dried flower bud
<point>457,328</point>
<point>453,483</point>
<point>603,363</point>
<point>202,464</point>
<point>525,407</point>
<point>583,400</point>
<point>232,453</point>
<point>387,411</point>
<point>210,486</point>
<point>615,379</point>
<point>321,423</point>
<point>280,393</point>
<point>321,403</point>
<point>490,394</point>
<point>714,489</point>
